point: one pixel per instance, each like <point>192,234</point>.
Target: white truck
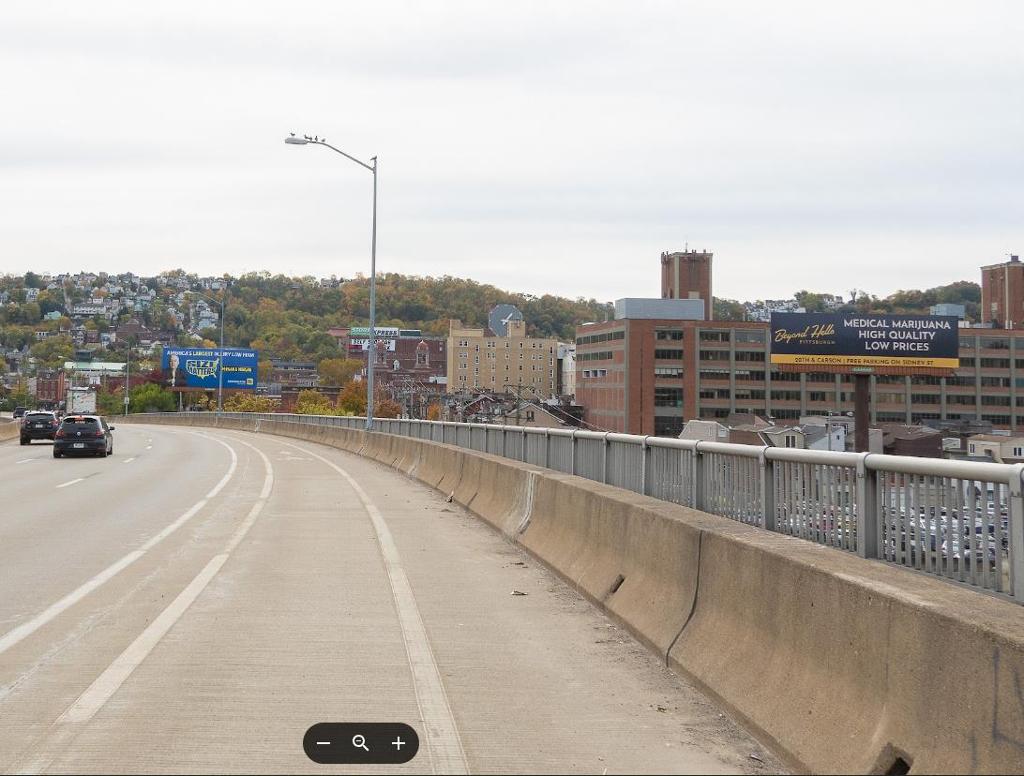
<point>81,401</point>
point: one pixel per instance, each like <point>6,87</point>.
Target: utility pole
<point>519,395</point>
<point>127,378</point>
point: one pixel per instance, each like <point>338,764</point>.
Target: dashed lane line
<point>29,627</point>
<point>117,673</point>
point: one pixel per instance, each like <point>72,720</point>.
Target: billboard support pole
<point>861,411</point>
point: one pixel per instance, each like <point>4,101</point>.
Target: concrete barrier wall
<point>8,430</point>
<point>841,664</point>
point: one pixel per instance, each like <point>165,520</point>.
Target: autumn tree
<point>338,371</point>
<point>352,399</point>
<point>249,402</point>
<point>386,408</point>
<point>310,402</point>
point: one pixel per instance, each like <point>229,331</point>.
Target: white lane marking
<point>442,734</point>
<point>117,673</point>
<point>26,460</point>
<point>12,637</point>
<point>26,629</point>
<point>100,691</point>
<point>128,460</point>
<point>71,482</point>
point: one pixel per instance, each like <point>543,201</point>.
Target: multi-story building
<point>480,360</point>
<point>401,355</point>
<point>1002,293</point>
<point>687,275</point>
<point>648,372</point>
<point>650,376</point>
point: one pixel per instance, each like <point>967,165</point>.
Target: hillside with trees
<point>288,317</point>
<point>901,302</point>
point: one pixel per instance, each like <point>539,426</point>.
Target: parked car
<point>38,425</point>
<point>83,435</point>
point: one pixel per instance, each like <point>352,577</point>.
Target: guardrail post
<point>522,445</point>
<point>604,459</point>
<point>868,514</point>
<point>767,491</point>
<point>697,472</point>
<point>572,453</point>
<point>1016,530</point>
<point>547,448</point>
<point>644,451</point>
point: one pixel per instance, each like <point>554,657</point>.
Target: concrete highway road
<point>195,602</point>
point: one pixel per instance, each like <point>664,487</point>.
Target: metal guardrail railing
<point>959,520</point>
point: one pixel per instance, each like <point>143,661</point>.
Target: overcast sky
<point>547,147</point>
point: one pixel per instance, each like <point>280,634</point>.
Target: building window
<point>668,334</point>
<point>785,395</point>
<point>995,382</point>
<point>997,420</point>
<point>714,374</point>
<point>995,401</point>
<point>668,397</point>
<point>665,353</point>
<point>891,417</point>
<point>994,343</point>
<point>755,336</point>
<point>714,336</point>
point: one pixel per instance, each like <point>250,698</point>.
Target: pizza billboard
<point>859,342</point>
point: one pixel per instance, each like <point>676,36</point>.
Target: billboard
<point>359,337</point>
<point>861,341</point>
<point>200,367</point>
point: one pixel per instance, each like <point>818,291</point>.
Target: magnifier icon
<point>359,742</point>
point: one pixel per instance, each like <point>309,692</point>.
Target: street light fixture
<point>220,366</point>
<point>371,355</point>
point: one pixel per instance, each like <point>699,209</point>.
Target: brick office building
<point>1002,294</point>
<point>687,275</point>
<point>401,354</point>
<point>649,375</point>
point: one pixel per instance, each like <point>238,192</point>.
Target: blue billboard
<point>200,367</point>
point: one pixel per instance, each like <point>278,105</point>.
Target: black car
<point>83,435</point>
<point>38,425</point>
<point>18,412</point>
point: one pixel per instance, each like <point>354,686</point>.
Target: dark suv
<point>38,425</point>
<point>83,435</point>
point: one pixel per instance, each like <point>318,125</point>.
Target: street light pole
<point>220,366</point>
<point>371,352</point>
